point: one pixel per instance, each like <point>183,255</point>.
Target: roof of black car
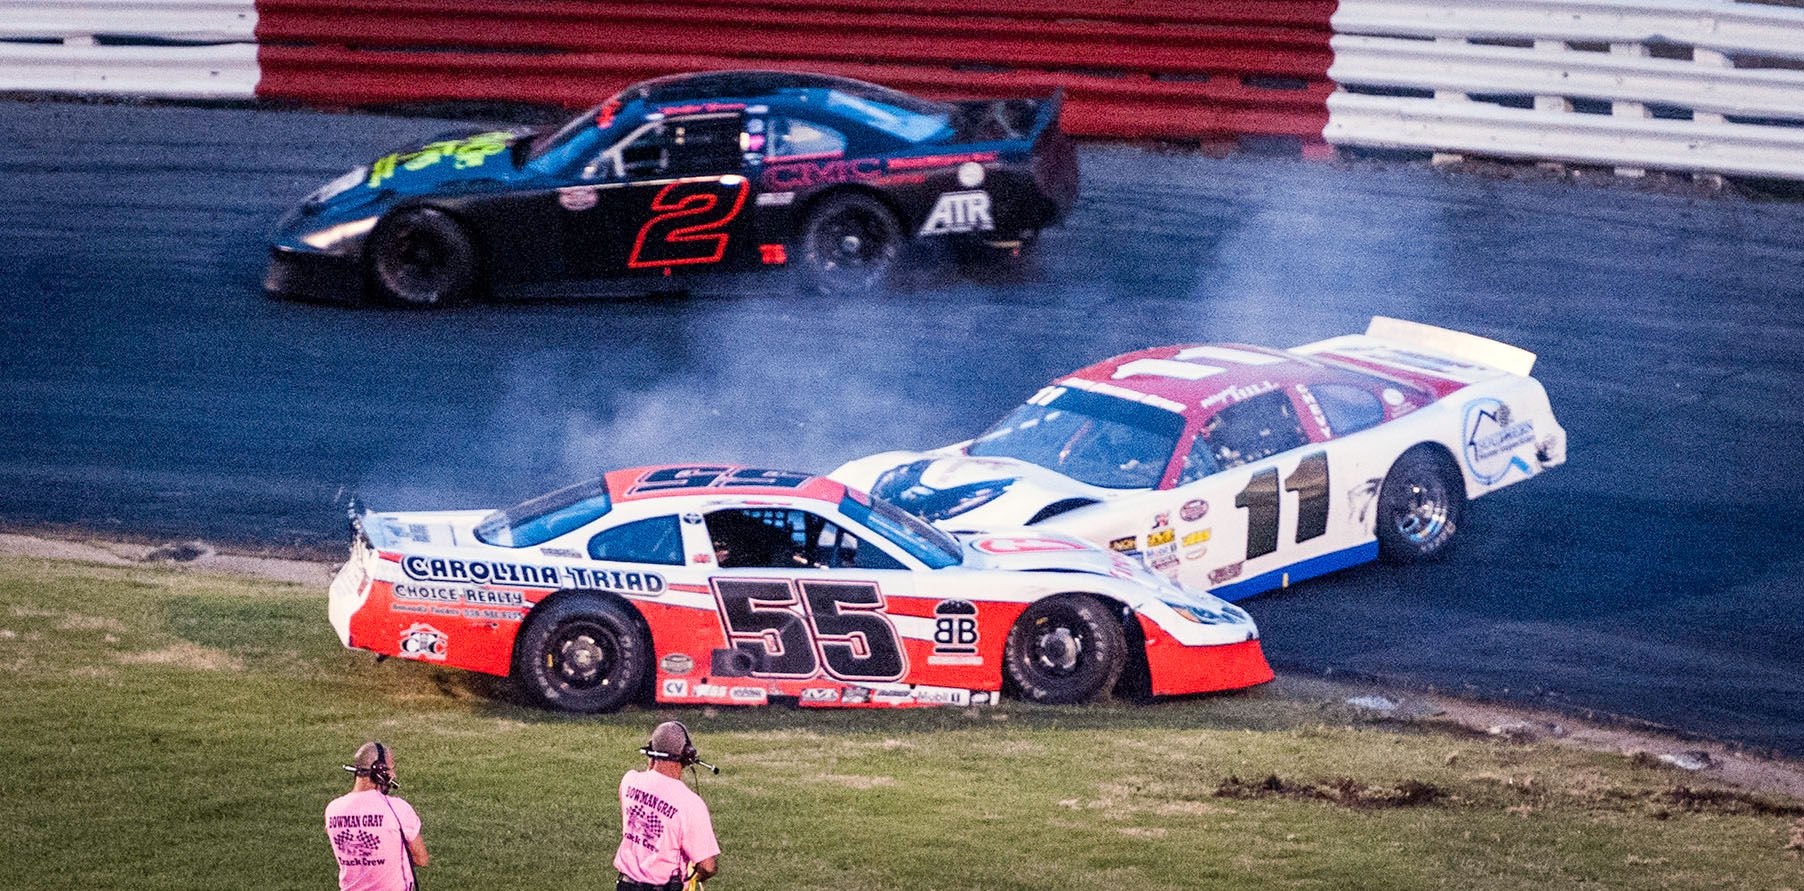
<point>745,85</point>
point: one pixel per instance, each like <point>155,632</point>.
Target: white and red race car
<point>734,586</point>
<point>1239,469</point>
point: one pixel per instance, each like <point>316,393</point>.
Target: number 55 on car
<point>733,585</point>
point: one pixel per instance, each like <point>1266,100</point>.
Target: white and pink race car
<point>736,586</point>
<point>1238,469</point>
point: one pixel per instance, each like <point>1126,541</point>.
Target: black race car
<point>714,172</point>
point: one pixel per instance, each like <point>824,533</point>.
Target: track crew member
<point>375,836</point>
<point>666,835</point>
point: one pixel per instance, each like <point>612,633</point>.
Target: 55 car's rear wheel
<point>848,244</point>
<point>1064,649</point>
<point>1419,506</point>
<point>582,654</point>
<point>421,257</point>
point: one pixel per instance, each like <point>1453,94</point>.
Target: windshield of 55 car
<point>532,523</point>
<point>1101,440</point>
<point>929,545</point>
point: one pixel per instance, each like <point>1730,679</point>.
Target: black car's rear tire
<point>1419,506</point>
<point>848,244</point>
<point>1065,649</point>
<point>421,257</point>
<point>582,654</point>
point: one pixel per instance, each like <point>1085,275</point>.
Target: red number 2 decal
<point>688,224</point>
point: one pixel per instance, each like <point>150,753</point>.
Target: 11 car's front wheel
<point>582,654</point>
<point>421,257</point>
<point>1065,649</point>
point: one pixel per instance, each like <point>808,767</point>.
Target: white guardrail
<point>1680,55</point>
<point>198,49</point>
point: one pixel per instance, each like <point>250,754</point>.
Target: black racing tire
<point>1065,649</point>
<point>1419,506</point>
<point>420,257</point>
<point>849,244</point>
<point>582,654</point>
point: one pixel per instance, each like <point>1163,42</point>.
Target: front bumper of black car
<point>307,275</point>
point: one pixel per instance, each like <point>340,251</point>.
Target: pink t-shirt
<point>366,839</point>
<point>664,827</point>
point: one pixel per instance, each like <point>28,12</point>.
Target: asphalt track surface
<point>148,388</point>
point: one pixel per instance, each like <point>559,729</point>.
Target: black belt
<point>626,884</point>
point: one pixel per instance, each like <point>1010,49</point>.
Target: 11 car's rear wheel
<point>849,243</point>
<point>1065,649</point>
<point>421,257</point>
<point>582,654</point>
<point>1419,506</point>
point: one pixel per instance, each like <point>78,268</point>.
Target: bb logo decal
<point>955,634</point>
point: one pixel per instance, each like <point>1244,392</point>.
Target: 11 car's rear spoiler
<point>1456,344</point>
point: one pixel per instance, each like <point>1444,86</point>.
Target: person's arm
<point>416,848</point>
<point>708,868</point>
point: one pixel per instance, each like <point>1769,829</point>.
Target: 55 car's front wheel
<point>582,654</point>
<point>421,257</point>
<point>1065,649</point>
<point>1419,506</point>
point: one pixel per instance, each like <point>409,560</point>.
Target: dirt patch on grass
<point>193,657</point>
<point>1344,791</point>
<point>1729,801</point>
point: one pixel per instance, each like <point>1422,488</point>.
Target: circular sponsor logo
<point>1392,396</point>
<point>1194,510</point>
<point>970,174</point>
<point>676,663</point>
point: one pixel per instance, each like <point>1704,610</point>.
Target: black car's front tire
<point>1419,506</point>
<point>421,257</point>
<point>849,244</point>
<point>582,654</point>
<point>1065,649</point>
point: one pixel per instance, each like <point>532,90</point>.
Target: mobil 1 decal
<point>795,629</point>
<point>955,634</point>
<point>1262,500</point>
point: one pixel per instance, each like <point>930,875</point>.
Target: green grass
<point>178,730</point>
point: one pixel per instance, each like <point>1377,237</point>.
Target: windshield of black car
<point>928,545</point>
<point>1093,438</point>
<point>539,520</point>
<point>598,118</point>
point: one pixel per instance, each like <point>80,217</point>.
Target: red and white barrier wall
<point>1696,85</point>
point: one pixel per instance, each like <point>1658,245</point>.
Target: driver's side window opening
<point>1256,428</point>
<point>682,147</point>
<point>776,538</point>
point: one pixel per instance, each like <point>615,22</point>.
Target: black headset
<point>686,757</point>
<point>382,770</point>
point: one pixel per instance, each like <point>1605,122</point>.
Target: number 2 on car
<point>689,222</point>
